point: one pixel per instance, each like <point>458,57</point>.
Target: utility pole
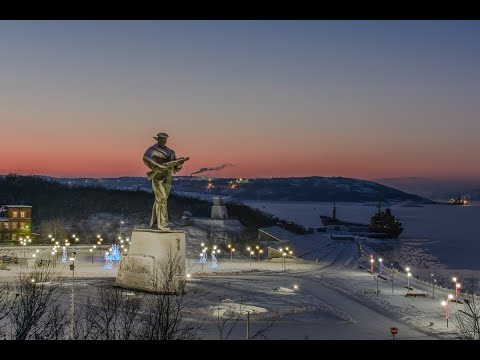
<point>72,305</point>
<point>393,272</point>
<point>433,286</point>
<point>248,324</point>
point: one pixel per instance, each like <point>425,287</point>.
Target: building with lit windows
<point>15,222</point>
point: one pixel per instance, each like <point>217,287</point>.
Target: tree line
<point>73,204</point>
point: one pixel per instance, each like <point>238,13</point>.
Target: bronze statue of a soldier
<point>162,162</point>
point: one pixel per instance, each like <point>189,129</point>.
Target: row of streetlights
<point>444,303</point>
<point>231,248</point>
<point>285,252</point>
<point>251,251</point>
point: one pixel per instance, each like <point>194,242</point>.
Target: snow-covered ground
<point>331,298</point>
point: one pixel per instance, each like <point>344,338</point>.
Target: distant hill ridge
<point>314,188</point>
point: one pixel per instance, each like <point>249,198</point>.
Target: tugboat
<point>385,223</point>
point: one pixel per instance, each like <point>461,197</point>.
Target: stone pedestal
<point>155,262</point>
<point>219,210</point>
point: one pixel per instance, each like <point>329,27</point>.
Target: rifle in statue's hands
<point>165,167</point>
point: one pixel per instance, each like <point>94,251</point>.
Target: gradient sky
<point>363,99</point>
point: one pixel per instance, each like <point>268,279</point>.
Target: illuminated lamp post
<point>433,286</point>
<point>259,251</point>
<point>232,249</point>
<point>250,253</point>
<point>371,264</point>
<point>393,272</point>
<point>381,264</point>
<point>445,303</point>
<point>455,287</point>
<point>408,278</point>
<point>72,305</point>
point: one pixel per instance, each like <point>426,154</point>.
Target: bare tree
<point>35,313</point>
<point>129,318</point>
<point>467,321</point>
<point>114,315</point>
<point>262,331</point>
<point>230,313</point>
<point>85,326</point>
<point>7,300</point>
<point>164,314</point>
<point>54,227</point>
<point>227,319</point>
<point>108,315</point>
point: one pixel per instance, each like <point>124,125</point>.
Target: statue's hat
<point>160,135</point>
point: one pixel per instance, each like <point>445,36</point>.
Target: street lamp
<point>381,264</point>
<point>281,252</point>
<point>72,305</point>
<point>259,251</point>
<point>371,265</point>
<point>457,286</point>
<point>232,249</point>
<point>393,272</point>
<point>433,286</point>
<point>251,253</point>
<point>91,252</point>
<point>445,303</point>
<point>408,280</point>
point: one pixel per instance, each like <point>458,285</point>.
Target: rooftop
<point>15,206</point>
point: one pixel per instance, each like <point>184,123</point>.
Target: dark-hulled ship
<point>457,201</point>
<point>329,221</point>
<point>385,223</point>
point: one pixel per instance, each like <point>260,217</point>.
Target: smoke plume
<point>223,166</point>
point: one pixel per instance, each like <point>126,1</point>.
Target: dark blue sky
<point>293,98</point>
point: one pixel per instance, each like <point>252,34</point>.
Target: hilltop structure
<point>219,210</point>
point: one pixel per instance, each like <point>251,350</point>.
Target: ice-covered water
<point>451,233</point>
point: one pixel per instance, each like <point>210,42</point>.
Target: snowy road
<point>337,317</point>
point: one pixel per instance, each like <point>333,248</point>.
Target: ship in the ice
<point>458,201</point>
<point>382,225</point>
<point>385,223</point>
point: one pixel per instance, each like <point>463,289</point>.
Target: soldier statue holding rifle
<point>162,162</point>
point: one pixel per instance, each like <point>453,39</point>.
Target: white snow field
<point>332,298</point>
